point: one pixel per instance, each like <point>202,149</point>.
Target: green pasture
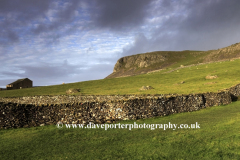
<point>162,82</point>
<point>217,138</point>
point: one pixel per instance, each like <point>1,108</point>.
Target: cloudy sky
<point>56,41</point>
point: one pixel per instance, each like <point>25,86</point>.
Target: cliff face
<point>147,62</point>
<point>140,61</point>
<point>229,52</point>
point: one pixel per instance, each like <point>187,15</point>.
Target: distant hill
<point>147,62</point>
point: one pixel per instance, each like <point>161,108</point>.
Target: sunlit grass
<point>217,138</point>
<point>163,83</point>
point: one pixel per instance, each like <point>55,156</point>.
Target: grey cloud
<point>68,12</point>
<point>63,17</point>
<point>16,14</point>
<point>46,70</point>
<point>140,45</point>
<point>199,25</point>
<point>209,15</point>
<point>99,70</point>
<point>120,14</point>
<point>8,36</point>
<point>18,18</point>
<point>208,25</point>
<point>11,74</point>
<point>24,7</point>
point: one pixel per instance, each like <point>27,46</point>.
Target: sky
<point>64,41</point>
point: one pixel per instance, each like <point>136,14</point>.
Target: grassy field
<point>163,83</point>
<point>217,138</point>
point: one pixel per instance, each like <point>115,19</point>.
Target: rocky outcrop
<point>72,90</point>
<point>140,61</point>
<point>143,88</point>
<point>149,62</point>
<point>229,52</point>
<point>144,63</point>
<point>211,77</point>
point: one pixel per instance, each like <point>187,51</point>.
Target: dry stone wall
<point>44,110</point>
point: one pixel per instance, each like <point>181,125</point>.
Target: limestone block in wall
<point>216,99</point>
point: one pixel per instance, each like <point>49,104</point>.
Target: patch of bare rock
<point>211,77</point>
<point>72,90</point>
<point>143,88</point>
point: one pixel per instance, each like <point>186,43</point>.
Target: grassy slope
<point>163,83</point>
<point>174,59</point>
<point>218,138</point>
<point>184,57</point>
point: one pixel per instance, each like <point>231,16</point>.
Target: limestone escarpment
<point>141,61</point>
<point>229,52</point>
<point>148,62</point>
<point>144,63</point>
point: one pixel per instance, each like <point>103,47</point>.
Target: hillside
<point>147,62</point>
<point>163,82</point>
<point>170,69</point>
